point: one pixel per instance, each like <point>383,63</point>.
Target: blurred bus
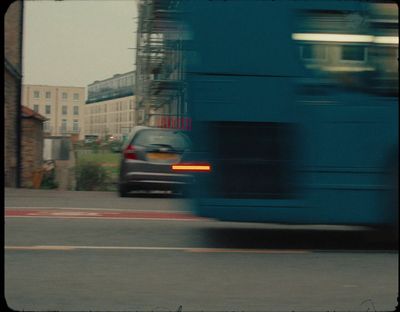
<point>294,108</point>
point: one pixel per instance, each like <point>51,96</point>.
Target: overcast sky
<point>75,42</point>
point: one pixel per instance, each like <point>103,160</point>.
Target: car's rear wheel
<point>123,191</point>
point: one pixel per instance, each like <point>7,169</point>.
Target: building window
<point>36,108</point>
<point>64,95</point>
<point>76,110</point>
<point>64,110</point>
<point>48,95</point>
<point>353,53</point>
<point>36,94</point>
<point>75,125</point>
<point>46,126</point>
<point>76,96</point>
<point>48,109</point>
<point>64,125</point>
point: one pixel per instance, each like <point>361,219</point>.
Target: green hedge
<point>91,176</point>
<point>49,180</point>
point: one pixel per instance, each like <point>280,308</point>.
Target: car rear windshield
<point>171,139</point>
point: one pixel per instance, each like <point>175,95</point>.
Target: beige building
<point>62,106</point>
<point>110,106</point>
<point>113,117</point>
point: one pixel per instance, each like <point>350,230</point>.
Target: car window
<point>173,139</point>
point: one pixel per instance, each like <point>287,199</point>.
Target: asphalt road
<point>81,251</point>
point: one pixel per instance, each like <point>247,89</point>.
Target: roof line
<point>45,85</point>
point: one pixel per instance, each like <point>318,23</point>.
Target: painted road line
<point>191,249</point>
<point>144,248</point>
<point>108,218</point>
<point>261,251</point>
<point>89,209</point>
<point>107,214</point>
<point>39,247</point>
<point>51,247</point>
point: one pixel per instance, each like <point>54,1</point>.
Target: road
<point>81,251</point>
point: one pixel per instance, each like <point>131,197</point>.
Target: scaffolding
<point>159,61</point>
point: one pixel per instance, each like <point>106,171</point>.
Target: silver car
<point>146,160</point>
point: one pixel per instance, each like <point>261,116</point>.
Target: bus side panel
<point>224,41</point>
<point>218,98</point>
<point>244,70</point>
<point>347,154</point>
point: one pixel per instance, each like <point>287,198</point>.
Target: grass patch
<point>101,157</point>
<point>107,160</point>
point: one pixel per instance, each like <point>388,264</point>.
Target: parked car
<point>146,160</point>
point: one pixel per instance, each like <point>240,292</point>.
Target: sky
<point>75,42</point>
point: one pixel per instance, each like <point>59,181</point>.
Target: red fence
<point>173,122</point>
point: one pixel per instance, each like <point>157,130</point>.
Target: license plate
<point>162,156</point>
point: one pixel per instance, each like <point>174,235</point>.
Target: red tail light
<point>129,152</point>
<point>191,167</point>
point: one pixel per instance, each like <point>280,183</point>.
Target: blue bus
<point>294,108</point>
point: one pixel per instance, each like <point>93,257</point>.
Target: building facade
<point>62,106</point>
<point>13,31</point>
<point>110,106</point>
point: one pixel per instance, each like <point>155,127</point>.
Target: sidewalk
<point>26,198</point>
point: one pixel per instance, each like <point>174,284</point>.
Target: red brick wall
<point>12,34</point>
<point>12,88</point>
<point>10,129</point>
<point>32,149</point>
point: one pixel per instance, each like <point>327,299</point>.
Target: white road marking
<point>144,248</point>
<point>194,250</point>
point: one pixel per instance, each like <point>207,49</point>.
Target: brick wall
<point>12,89</point>
<point>12,34</point>
<point>32,149</point>
<point>10,129</point>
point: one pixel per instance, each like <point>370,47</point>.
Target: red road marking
<point>109,214</point>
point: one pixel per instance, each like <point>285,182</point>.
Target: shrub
<point>91,176</point>
<point>95,147</point>
<point>49,180</point>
